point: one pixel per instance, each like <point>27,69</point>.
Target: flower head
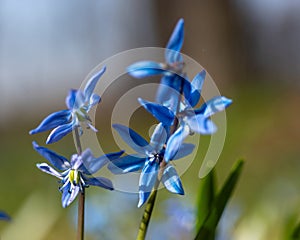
<point>173,59</point>
<point>173,77</point>
<point>148,158</point>
<point>79,104</point>
<point>190,120</point>
<point>76,174</point>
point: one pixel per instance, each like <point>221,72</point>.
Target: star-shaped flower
<point>173,58</point>
<point>75,174</point>
<point>79,104</point>
<point>148,159</point>
<point>174,79</point>
<point>190,120</point>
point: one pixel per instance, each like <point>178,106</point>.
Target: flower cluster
<point>175,110</point>
<point>75,174</point>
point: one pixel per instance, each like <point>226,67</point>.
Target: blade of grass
<point>206,197</point>
<point>296,232</point>
<point>207,230</point>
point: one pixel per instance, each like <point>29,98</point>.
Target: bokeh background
<point>250,48</point>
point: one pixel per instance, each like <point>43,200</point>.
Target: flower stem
<point>80,230</point>
<point>147,213</point>
<point>81,200</point>
<point>77,141</point>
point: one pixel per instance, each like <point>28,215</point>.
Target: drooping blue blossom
<point>190,120</point>
<point>148,159</point>
<point>79,104</point>
<point>76,174</point>
<point>4,216</point>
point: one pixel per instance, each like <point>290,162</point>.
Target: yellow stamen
<point>74,177</point>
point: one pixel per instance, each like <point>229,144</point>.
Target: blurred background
<point>250,48</point>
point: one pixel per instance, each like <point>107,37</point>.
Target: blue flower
<point>75,174</point>
<point>190,120</point>
<point>4,216</point>
<point>148,159</point>
<point>174,79</point>
<point>79,104</point>
<point>174,61</point>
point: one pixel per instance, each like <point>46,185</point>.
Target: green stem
<point>147,213</point>
<point>150,204</point>
<point>81,200</point>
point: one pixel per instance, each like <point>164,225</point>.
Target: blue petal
<point>198,81</point>
<point>133,139</point>
<point>53,120</point>
<point>4,216</point>
<point>94,100</point>
<point>200,124</point>
<point>76,161</point>
<point>130,163</point>
<point>180,83</point>
<point>75,99</point>
<point>143,196</point>
<point>100,182</point>
<point>59,132</point>
<point>185,84</point>
<point>48,169</point>
<point>161,113</point>
<point>69,194</point>
<point>214,105</point>
<point>145,69</point>
<point>147,181</point>
<point>175,41</point>
<point>159,137</point>
<point>87,160</point>
<point>173,56</point>
<point>184,150</point>
<point>79,101</point>
<point>70,99</point>
<point>171,180</point>
<point>197,84</point>
<point>91,164</point>
<point>168,93</point>
<point>175,141</point>
<point>65,196</point>
<point>91,84</point>
<point>59,162</point>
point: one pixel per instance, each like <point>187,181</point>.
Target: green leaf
<point>207,230</point>
<point>205,198</point>
<point>296,232</point>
